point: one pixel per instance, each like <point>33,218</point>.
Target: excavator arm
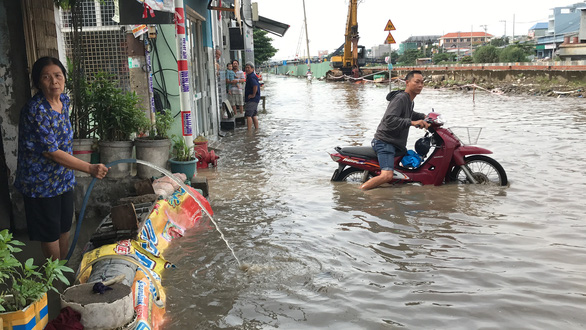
<point>351,51</point>
<point>351,41</point>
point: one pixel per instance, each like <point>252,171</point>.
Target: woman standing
<point>45,165</point>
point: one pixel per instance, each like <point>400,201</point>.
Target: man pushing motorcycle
<point>392,132</point>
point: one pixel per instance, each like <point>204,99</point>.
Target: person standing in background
<point>237,97</point>
<point>252,95</point>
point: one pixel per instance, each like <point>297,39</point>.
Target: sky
<point>326,20</point>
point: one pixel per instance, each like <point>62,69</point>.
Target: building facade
<point>469,40</point>
<point>563,22</point>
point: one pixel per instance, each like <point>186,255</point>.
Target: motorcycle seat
<point>362,152</point>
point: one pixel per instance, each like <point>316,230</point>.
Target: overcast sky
<point>326,20</point>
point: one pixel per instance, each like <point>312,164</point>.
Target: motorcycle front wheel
<point>485,170</point>
<point>354,175</point>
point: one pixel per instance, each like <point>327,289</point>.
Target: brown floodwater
<point>325,254</point>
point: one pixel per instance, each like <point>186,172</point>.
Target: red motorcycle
<point>450,161</point>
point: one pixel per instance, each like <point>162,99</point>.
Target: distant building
<point>458,40</point>
<point>538,30</point>
<point>563,22</point>
<point>380,51</point>
<point>418,42</point>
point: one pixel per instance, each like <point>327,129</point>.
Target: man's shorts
<point>250,109</point>
<point>48,218</point>
<point>385,153</point>
<point>236,99</point>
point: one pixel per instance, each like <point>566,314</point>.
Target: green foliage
<point>409,57</point>
<point>467,59</point>
<point>160,129</point>
<point>81,114</point>
<point>67,4</point>
<point>117,113</point>
<point>163,123</point>
<point>28,282</point>
<point>486,54</point>
<point>181,152</point>
<point>263,48</point>
<point>499,42</point>
<point>64,4</point>
<point>512,54</point>
<point>527,47</point>
<point>444,57</point>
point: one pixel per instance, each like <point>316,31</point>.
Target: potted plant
<point>118,116</point>
<point>81,116</point>
<point>154,145</point>
<point>184,160</point>
<point>23,287</point>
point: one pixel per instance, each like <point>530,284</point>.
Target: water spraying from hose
<point>168,174</point>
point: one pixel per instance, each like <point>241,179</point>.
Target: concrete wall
<point>14,92</point>
<point>38,34</point>
<point>508,72</point>
<point>318,69</point>
<point>165,71</point>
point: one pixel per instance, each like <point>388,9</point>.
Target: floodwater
<point>325,254</point>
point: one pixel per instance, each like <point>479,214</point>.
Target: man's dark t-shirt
<point>394,126</point>
<point>251,81</point>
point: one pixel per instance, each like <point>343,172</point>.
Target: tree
<point>486,54</point>
<point>467,59</point>
<point>263,47</point>
<point>513,54</point>
<point>444,57</point>
<point>498,42</point>
<point>409,57</point>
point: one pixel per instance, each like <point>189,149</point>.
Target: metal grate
<point>103,40</point>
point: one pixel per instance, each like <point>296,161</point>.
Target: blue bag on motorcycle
<point>411,159</point>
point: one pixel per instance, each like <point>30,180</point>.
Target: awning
<point>271,26</point>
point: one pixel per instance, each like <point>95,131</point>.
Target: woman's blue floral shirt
<point>41,129</point>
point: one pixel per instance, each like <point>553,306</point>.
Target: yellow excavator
<point>350,53</point>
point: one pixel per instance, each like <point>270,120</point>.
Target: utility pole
<point>504,21</point>
<point>471,38</point>
<point>458,45</point>
<point>484,27</point>
<point>183,70</point>
<point>306,36</point>
<point>248,32</point>
<point>513,28</point>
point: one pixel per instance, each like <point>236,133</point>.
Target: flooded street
<point>325,254</point>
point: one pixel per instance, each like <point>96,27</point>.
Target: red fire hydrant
<point>204,156</point>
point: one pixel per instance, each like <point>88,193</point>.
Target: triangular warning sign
<point>390,39</point>
<point>390,26</point>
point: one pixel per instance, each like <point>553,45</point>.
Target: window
<point>104,41</point>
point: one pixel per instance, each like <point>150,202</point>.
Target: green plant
<point>160,128</point>
<point>181,151</point>
<point>81,114</point>
<point>26,283</point>
<point>117,113</point>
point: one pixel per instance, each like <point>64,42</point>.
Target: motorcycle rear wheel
<point>353,175</point>
<point>484,169</point>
